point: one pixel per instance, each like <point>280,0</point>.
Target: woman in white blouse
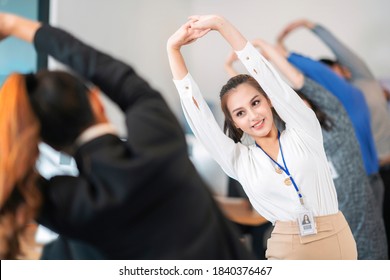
<point>285,174</point>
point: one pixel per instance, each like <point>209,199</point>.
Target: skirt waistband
<point>334,222</point>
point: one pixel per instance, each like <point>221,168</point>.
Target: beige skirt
<point>333,241</point>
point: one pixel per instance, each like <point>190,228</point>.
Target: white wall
<point>363,25</point>
<point>136,31</point>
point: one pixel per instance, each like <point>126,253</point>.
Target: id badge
<point>306,223</point>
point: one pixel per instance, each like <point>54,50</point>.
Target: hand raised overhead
<point>185,35</point>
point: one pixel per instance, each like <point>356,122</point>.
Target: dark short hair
<point>323,118</point>
<point>60,101</point>
<point>329,62</point>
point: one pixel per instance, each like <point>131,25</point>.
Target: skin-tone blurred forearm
<point>22,28</point>
<point>229,64</point>
<point>279,60</point>
<point>295,25</point>
<point>236,40</point>
<point>291,27</point>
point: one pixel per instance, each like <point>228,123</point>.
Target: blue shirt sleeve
<point>323,75</point>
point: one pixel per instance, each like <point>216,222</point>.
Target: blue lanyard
<point>285,169</point>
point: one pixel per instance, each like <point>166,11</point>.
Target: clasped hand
<point>195,28</point>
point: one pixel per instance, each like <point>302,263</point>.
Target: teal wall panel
<point>16,55</point>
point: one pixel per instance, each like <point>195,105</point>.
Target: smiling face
<point>250,110</point>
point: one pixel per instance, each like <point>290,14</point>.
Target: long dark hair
<point>228,127</point>
<point>324,120</point>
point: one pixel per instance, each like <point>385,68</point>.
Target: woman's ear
<point>97,105</point>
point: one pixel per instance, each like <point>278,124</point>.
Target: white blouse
<point>301,144</point>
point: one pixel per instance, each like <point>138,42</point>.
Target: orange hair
<point>19,138</point>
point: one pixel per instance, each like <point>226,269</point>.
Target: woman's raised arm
<point>183,36</point>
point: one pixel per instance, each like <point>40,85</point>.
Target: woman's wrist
<point>172,47</point>
<point>220,23</point>
<point>173,50</point>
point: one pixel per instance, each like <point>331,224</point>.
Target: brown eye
<point>239,114</point>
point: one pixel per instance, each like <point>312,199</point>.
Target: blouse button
<point>247,58</point>
<point>187,88</point>
<point>287,181</point>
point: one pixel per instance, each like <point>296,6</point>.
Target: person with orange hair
<point>141,198</point>
<point>19,198</point>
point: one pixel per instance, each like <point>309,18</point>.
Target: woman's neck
<point>270,143</point>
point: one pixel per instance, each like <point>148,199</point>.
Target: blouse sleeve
<point>290,107</point>
<point>204,126</point>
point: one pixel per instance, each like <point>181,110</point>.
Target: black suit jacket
<point>140,198</point>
